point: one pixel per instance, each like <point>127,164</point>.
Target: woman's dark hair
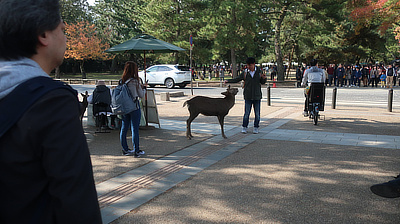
<point>130,71</point>
<point>21,22</point>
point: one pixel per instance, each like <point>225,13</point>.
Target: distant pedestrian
<point>357,77</point>
<point>299,76</point>
<point>383,80</point>
<point>222,73</point>
<point>204,72</point>
<point>390,72</point>
<point>340,73</point>
<point>273,72</point>
<point>373,77</point>
<point>365,73</point>
<point>330,70</point>
<point>347,80</point>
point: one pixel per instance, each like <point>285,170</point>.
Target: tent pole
<point>145,98</point>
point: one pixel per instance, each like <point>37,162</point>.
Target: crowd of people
<point>357,75</point>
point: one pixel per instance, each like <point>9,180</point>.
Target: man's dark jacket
<point>45,168</point>
<point>252,85</point>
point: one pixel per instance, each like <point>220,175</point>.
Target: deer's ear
<point>224,93</point>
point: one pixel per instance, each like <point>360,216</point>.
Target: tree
<point>117,21</point>
<point>232,27</point>
<point>83,44</point>
<point>275,12</point>
<point>170,21</point>
<point>378,15</point>
<point>74,10</point>
<point>366,12</point>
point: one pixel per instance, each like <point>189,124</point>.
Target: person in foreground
<point>132,120</point>
<point>45,169</point>
<point>253,77</point>
<point>312,75</point>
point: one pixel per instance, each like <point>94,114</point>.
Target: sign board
<point>151,109</point>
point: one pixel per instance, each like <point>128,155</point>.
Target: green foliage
<point>73,11</point>
<point>231,30</point>
<point>118,21</point>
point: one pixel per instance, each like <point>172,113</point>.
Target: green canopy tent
<point>144,43</point>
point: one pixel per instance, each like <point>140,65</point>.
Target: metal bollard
<point>390,100</point>
<point>269,95</point>
<point>334,98</point>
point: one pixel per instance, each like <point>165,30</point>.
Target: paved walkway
<point>291,172</point>
<point>124,193</point>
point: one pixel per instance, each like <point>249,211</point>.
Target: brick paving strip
<point>112,194</point>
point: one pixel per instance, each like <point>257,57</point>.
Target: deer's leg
<point>188,123</point>
<point>221,122</point>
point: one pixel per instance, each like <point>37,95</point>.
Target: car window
<point>152,69</point>
<point>182,68</point>
<point>164,69</point>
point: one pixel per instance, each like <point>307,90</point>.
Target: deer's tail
<point>184,104</point>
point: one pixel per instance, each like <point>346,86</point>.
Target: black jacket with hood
<point>45,169</point>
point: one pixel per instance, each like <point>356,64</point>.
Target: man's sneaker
<point>136,155</point>
<point>255,130</point>
<point>244,130</point>
<point>305,113</point>
<point>127,153</point>
<point>140,152</point>
<point>389,189</point>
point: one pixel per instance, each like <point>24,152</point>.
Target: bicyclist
<point>312,75</point>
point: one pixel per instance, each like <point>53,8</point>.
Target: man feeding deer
<point>253,77</point>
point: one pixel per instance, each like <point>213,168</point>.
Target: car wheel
<point>169,83</point>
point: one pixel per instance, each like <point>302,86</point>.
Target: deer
<point>83,105</point>
<point>210,107</point>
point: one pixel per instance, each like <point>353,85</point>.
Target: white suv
<point>168,75</point>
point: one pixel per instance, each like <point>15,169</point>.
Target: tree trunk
<point>233,61</point>
<point>290,61</point>
<point>278,51</point>
<point>178,30</point>
<point>113,68</point>
<point>58,76</point>
<point>73,67</point>
<point>82,69</point>
<point>233,52</point>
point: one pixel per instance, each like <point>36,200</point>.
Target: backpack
<point>16,103</point>
<point>122,101</point>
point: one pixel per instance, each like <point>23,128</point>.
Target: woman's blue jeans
<point>131,120</point>
<point>247,109</point>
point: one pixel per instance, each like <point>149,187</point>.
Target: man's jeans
<point>247,110</point>
<point>132,121</point>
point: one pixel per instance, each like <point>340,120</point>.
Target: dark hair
<point>250,61</point>
<point>130,71</point>
<point>21,22</point>
<point>313,62</point>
